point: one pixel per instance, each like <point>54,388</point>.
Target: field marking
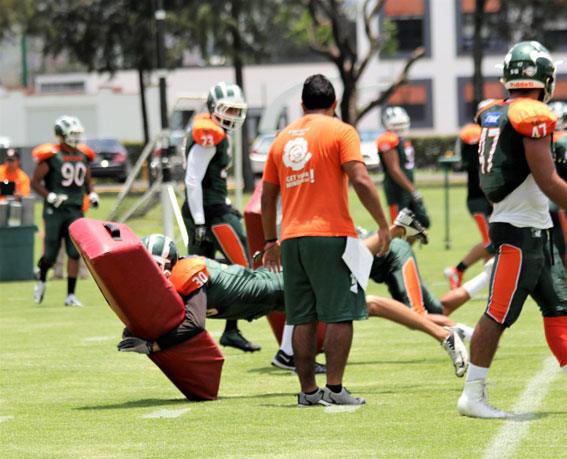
<point>6,418</point>
<point>341,408</point>
<point>515,429</point>
<point>165,413</point>
<point>98,338</point>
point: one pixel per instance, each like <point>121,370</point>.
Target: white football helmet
<point>396,119</point>
<point>559,108</point>
<point>226,105</point>
<point>70,130</point>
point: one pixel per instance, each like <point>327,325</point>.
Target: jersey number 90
<point>73,173</point>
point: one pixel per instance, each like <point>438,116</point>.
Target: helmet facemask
<point>397,120</point>
<point>70,130</point>
<point>163,251</point>
<point>227,106</point>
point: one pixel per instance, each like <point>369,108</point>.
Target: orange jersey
<point>206,132</point>
<point>305,161</point>
<point>19,177</point>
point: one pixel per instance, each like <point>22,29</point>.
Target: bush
<point>429,149</point>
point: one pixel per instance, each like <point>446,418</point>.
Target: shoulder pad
<point>88,151</point>
<point>386,141</point>
<point>470,134</point>
<point>206,132</point>
<point>189,274</point>
<point>44,152</point>
<point>494,102</point>
<point>531,118</point>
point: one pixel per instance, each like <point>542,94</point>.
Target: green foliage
<point>389,34</point>
<point>13,16</point>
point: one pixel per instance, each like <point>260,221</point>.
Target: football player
<point>558,215</point>
<point>479,207</point>
<point>398,159</point>
<point>212,223</point>
<point>62,177</point>
<point>518,175</point>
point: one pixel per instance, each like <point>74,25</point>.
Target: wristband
<point>269,241</point>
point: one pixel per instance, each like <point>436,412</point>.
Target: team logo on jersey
<point>295,154</point>
<point>491,119</point>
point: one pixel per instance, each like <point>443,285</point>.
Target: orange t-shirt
<point>20,177</point>
<point>305,162</point>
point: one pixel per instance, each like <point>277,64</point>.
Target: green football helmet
<point>70,130</point>
<point>396,119</point>
<point>529,65</point>
<point>226,105</point>
<point>559,108</point>
<point>162,249</point>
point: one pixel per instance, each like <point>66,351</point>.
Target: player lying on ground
<point>211,289</point>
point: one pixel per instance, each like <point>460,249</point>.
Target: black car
<point>111,158</point>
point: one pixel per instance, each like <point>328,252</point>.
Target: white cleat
<point>39,291</point>
<point>474,402</point>
<point>72,300</point>
<point>464,331</point>
<point>457,351</point>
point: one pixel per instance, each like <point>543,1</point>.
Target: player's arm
<point>366,192</point>
<point>269,203</point>
<point>392,163</point>
<point>38,175</point>
<point>198,160</point>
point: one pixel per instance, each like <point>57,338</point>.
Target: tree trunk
<point>238,65</point>
<point>143,106</point>
<point>478,79</point>
<point>348,101</point>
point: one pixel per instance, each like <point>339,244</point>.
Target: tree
<point>103,35</point>
<point>326,27</point>
<point>13,15</point>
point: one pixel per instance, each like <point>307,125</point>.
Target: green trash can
<point>16,252</point>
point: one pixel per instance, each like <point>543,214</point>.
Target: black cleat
<point>235,339</point>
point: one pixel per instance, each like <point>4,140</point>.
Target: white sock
<point>475,373</point>
<point>286,340</point>
<point>468,331</point>
<point>565,370</point>
<point>476,284</point>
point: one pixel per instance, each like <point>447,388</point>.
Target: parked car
<point>259,151</point>
<point>369,149</point>
<point>111,158</point>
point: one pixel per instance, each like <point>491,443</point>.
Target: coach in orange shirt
<point>11,172</point>
<point>310,164</point>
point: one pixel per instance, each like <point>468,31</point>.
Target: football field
<point>66,392</point>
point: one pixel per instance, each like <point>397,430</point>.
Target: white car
<point>369,149</point>
<point>259,151</point>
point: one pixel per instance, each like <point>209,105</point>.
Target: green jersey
<point>67,171</point>
<point>560,153</point>
<point>406,158</point>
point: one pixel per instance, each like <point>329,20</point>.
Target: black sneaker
<point>320,369</point>
<point>283,361</point>
<point>235,339</point>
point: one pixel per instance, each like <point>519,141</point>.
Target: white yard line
<point>165,413</point>
<point>514,430</point>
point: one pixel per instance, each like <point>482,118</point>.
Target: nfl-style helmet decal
<point>528,65</point>
<point>226,105</point>
<point>70,129</point>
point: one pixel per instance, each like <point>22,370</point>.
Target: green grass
<point>67,392</point>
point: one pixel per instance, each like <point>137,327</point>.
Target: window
<point>492,44</point>
<point>412,24</point>
<point>493,89</point>
<point>416,98</point>
<point>62,86</point>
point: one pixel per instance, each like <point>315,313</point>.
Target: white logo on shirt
<point>295,153</point>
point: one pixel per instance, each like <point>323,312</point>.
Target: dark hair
<point>318,93</point>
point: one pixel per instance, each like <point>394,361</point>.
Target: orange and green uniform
<point>19,177</point>
<point>520,219</point>
<point>305,161</point>
<point>66,175</point>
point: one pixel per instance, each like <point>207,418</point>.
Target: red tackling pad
<point>146,302</point>
<point>255,236</point>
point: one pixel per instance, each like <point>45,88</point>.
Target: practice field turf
<point>66,392</point>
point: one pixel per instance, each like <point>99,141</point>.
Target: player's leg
<point>52,224</point>
<point>73,258</point>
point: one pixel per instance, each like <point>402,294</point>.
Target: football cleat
<point>474,402</point>
<point>235,339</point>
<point>72,300</point>
<point>283,361</point>
<point>39,291</point>
<point>342,398</point>
<point>457,351</point>
<point>407,220</point>
<point>320,369</point>
<point>454,276</point>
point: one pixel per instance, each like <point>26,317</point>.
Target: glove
<point>133,344</point>
<point>417,197</point>
<point>200,235</point>
<point>56,199</point>
<point>94,199</point>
